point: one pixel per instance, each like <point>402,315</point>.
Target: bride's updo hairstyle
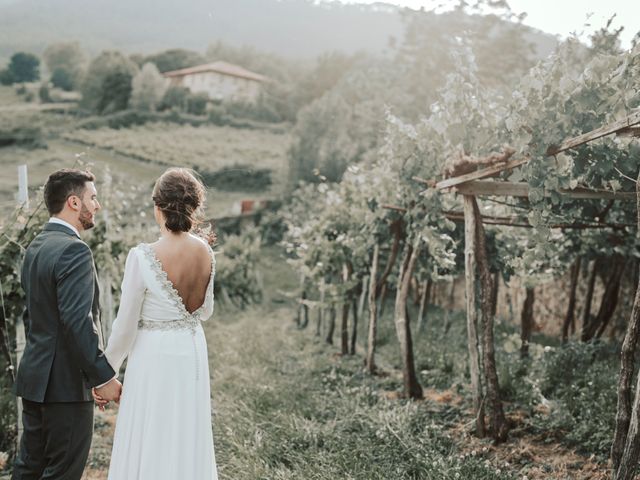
<point>180,197</point>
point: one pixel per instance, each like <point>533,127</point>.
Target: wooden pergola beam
<point>479,174</point>
<point>629,126</point>
<point>620,125</point>
<point>518,222</point>
<point>513,221</point>
<point>521,189</point>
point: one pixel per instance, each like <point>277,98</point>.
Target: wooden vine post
<point>526,321</point>
<point>412,387</point>
<point>472,312</point>
<point>321,309</point>
<point>569,318</point>
<point>373,313</point>
<point>626,441</point>
<point>499,427</point>
<point>344,324</point>
<point>424,299</point>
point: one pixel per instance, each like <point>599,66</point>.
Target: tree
<point>66,63</point>
<point>24,67</point>
<point>197,103</point>
<point>6,77</point>
<point>175,59</point>
<point>343,126</point>
<point>148,88</point>
<point>61,78</point>
<point>116,92</point>
<point>175,97</point>
<point>107,84</point>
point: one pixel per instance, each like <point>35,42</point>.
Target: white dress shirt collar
<point>66,224</point>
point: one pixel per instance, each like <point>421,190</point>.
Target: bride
<point>163,429</point>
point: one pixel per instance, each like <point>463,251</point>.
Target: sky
<point>558,17</point>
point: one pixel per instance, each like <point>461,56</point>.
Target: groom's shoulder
<point>57,245</point>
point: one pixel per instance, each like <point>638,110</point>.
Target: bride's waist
<point>184,323</point>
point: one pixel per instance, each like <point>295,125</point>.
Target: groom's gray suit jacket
<point>63,355</point>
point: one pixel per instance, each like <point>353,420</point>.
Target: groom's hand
<point>101,403</point>
<point>109,392</point>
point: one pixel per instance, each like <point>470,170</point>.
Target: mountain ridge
<point>297,29</point>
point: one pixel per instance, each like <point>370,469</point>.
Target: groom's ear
<point>73,202</point>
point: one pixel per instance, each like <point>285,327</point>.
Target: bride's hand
<point>100,402</point>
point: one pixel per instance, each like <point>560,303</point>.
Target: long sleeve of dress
<point>208,307</point>
<point>125,326</point>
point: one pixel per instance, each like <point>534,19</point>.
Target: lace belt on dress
<point>187,323</point>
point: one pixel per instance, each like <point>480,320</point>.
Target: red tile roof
<point>219,67</point>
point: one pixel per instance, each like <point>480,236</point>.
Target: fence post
<point>23,201</point>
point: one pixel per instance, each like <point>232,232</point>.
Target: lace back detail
<point>187,320</point>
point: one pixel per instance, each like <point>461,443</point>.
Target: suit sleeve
<point>125,326</point>
<point>75,278</point>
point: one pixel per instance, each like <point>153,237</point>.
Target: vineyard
<point>564,159</point>
<point>206,147</point>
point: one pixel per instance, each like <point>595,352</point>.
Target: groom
<point>63,356</point>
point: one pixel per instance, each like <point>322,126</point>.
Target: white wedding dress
<point>163,429</point>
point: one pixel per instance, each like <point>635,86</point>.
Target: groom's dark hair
<point>62,184</point>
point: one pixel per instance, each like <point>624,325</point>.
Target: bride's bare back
<point>187,263</point>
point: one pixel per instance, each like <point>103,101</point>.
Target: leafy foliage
<point>237,279</point>
<point>23,67</point>
<point>147,88</point>
<point>107,84</point>
<point>237,177</point>
<point>66,63</point>
<point>174,59</point>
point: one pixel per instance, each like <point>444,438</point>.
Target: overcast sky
<point>559,17</point>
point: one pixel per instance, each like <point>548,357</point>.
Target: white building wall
<point>222,87</point>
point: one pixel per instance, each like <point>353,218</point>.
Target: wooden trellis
<point>477,184</point>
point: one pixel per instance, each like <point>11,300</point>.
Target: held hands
<point>109,392</point>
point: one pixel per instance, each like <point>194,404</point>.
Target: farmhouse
<point>219,80</point>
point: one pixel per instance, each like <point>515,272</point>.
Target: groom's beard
<point>86,218</point>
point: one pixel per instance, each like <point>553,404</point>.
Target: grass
<point>206,147</point>
<point>286,406</point>
<point>8,96</point>
<point>124,170</point>
<point>135,165</point>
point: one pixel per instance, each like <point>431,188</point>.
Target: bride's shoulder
<point>202,245</point>
<point>141,250</point>
<point>200,242</point>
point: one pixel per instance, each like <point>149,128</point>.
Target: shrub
<point>237,276</point>
<point>61,78</point>
<point>197,103</point>
<point>28,137</point>
<point>6,77</point>
<point>43,93</point>
<point>272,225</point>
<point>259,111</point>
<point>582,379</point>
<point>148,88</point>
<point>238,178</point>
<point>123,119</point>
<point>175,98</point>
